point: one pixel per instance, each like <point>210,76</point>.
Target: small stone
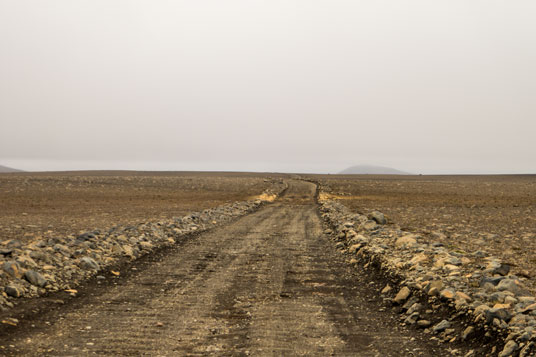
<point>378,217</point>
<point>451,267</point>
<point>369,225</point>
<point>88,263</point>
<point>518,320</point>
<point>12,291</point>
<point>423,323</point>
<point>86,236</point>
<point>402,295</point>
<point>35,278</point>
<point>10,321</point>
<point>467,332</point>
<point>529,308</point>
<point>146,245</point>
<point>13,268</point>
<point>509,349</point>
<point>446,294</point>
<point>386,289</point>
<point>128,251</point>
<point>354,248</point>
<point>462,295</point>
<point>406,241</point>
<point>412,319</point>
<point>513,286</point>
<point>418,258</point>
<point>497,313</point>
<point>63,249</point>
<point>491,280</point>
<point>442,326</point>
<point>526,351</point>
<point>416,307</point>
<point>434,287</point>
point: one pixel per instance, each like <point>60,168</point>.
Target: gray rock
<point>35,278</point>
<point>63,249</point>
<point>414,308</point>
<point>26,261</point>
<point>6,252</point>
<point>86,236</point>
<point>491,280</point>
<point>412,318</point>
<point>378,217</point>
<point>41,255</point>
<point>509,349</point>
<point>513,286</point>
<point>88,263</point>
<point>369,225</point>
<point>12,268</point>
<point>14,243</point>
<point>518,320</point>
<point>497,313</point>
<point>440,327</point>
<point>13,291</point>
<point>502,269</point>
<point>409,303</point>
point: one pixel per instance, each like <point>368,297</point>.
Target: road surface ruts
<point>269,283</point>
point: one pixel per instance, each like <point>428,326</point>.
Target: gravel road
<point>270,283</point>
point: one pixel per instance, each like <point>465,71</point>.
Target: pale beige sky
<point>422,86</point>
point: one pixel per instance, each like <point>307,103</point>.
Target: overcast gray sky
<point>423,86</point>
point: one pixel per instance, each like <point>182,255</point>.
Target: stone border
<point>426,275</point>
<point>61,264</point>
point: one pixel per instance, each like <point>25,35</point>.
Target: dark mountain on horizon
<point>4,169</point>
<point>372,170</point>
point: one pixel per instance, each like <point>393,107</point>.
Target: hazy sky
<point>423,86</point>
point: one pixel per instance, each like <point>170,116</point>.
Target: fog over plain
<point>299,86</point>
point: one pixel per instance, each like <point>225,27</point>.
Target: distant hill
<point>372,170</point>
<point>4,169</point>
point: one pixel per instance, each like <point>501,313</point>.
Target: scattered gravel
<point>479,288</point>
<point>34,268</point>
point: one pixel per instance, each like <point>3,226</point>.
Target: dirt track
<point>268,284</point>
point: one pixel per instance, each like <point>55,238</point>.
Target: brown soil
<point>496,214</point>
<point>50,204</point>
<point>268,284</point>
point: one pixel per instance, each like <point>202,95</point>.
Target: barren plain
<point>496,214</point>
<point>62,203</point>
<point>269,281</point>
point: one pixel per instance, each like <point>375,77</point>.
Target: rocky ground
<point>272,282</point>
<point>58,259</point>
<point>491,214</point>
<point>477,294</point>
<point>268,283</point>
<point>48,205</point>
